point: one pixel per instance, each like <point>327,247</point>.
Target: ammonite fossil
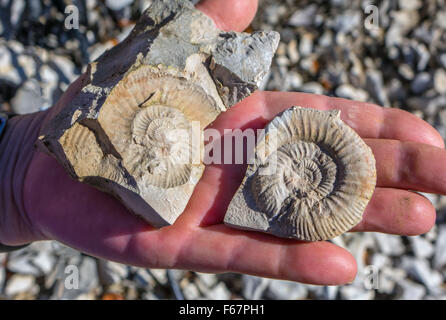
<point>135,129</point>
<point>311,179</point>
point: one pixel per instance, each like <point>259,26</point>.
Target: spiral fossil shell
<point>147,120</point>
<point>135,128</point>
<point>321,176</point>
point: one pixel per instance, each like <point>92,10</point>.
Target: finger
<point>220,181</point>
<point>230,15</point>
<point>368,120</point>
<point>97,224</point>
<point>221,249</point>
<point>409,165</point>
<point>396,211</point>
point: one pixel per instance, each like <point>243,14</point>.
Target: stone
<point>28,98</point>
<point>442,59</point>
<point>305,17</point>
<point>19,283</point>
<point>134,129</point>
<point>421,83</point>
<point>440,81</point>
<point>422,248</point>
<point>142,279</point>
<point>159,275</point>
<point>17,9</point>
<point>406,71</point>
<point>330,292</point>
<point>292,51</point>
<point>359,245</point>
<point>411,290</point>
<point>356,293</point>
<point>274,13</point>
<point>2,271</point>
<point>380,260</point>
<point>410,4</point>
<point>326,40</point>
<point>305,163</point>
<point>375,87</point>
<point>349,92</point>
<point>7,70</point>
<point>44,261</point>
<point>293,80</point>
<point>310,64</point>
<point>312,87</point>
<point>35,260</point>
<point>306,44</point>
<point>254,287</point>
<point>191,291</point>
<point>219,292</point>
<point>286,290</point>
<point>386,281</point>
<point>111,272</point>
<point>348,21</point>
<point>208,279</point>
<point>440,249</point>
<point>117,4</point>
<point>423,55</point>
<point>396,91</point>
<point>420,270</point>
<point>389,244</point>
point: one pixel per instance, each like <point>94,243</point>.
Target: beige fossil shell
<point>311,179</point>
<point>147,120</point>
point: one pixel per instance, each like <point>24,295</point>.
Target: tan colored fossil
<point>311,179</point>
<point>135,129</point>
<point>148,120</point>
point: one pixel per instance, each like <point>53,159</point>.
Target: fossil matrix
<point>132,130</point>
<point>311,179</point>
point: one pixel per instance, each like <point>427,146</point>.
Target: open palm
<point>409,155</point>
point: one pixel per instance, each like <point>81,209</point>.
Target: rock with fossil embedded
<point>135,128</point>
<point>310,179</point>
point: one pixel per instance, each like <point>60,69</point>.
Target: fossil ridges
<point>320,178</point>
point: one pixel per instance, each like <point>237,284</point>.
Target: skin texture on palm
<point>409,155</point>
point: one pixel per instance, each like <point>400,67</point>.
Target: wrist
<point>16,151</point>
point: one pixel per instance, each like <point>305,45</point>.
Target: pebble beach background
<point>326,48</point>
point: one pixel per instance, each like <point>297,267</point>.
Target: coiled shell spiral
<point>147,140</point>
<point>311,179</point>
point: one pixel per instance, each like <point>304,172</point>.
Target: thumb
<point>230,15</point>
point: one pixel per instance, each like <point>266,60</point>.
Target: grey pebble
<point>305,17</point>
<point>411,290</point>
<point>421,271</point>
<point>19,283</point>
<point>349,92</point>
<point>440,248</point>
<point>254,287</point>
<point>375,87</point>
<point>422,248</point>
<point>421,83</point>
<point>286,290</point>
<point>440,81</point>
<point>391,245</point>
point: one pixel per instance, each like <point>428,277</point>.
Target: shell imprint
<point>311,179</point>
<point>135,129</point>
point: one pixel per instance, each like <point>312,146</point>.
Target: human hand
<point>409,155</point>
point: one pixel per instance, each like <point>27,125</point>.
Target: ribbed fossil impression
<point>135,129</point>
<point>311,179</point>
